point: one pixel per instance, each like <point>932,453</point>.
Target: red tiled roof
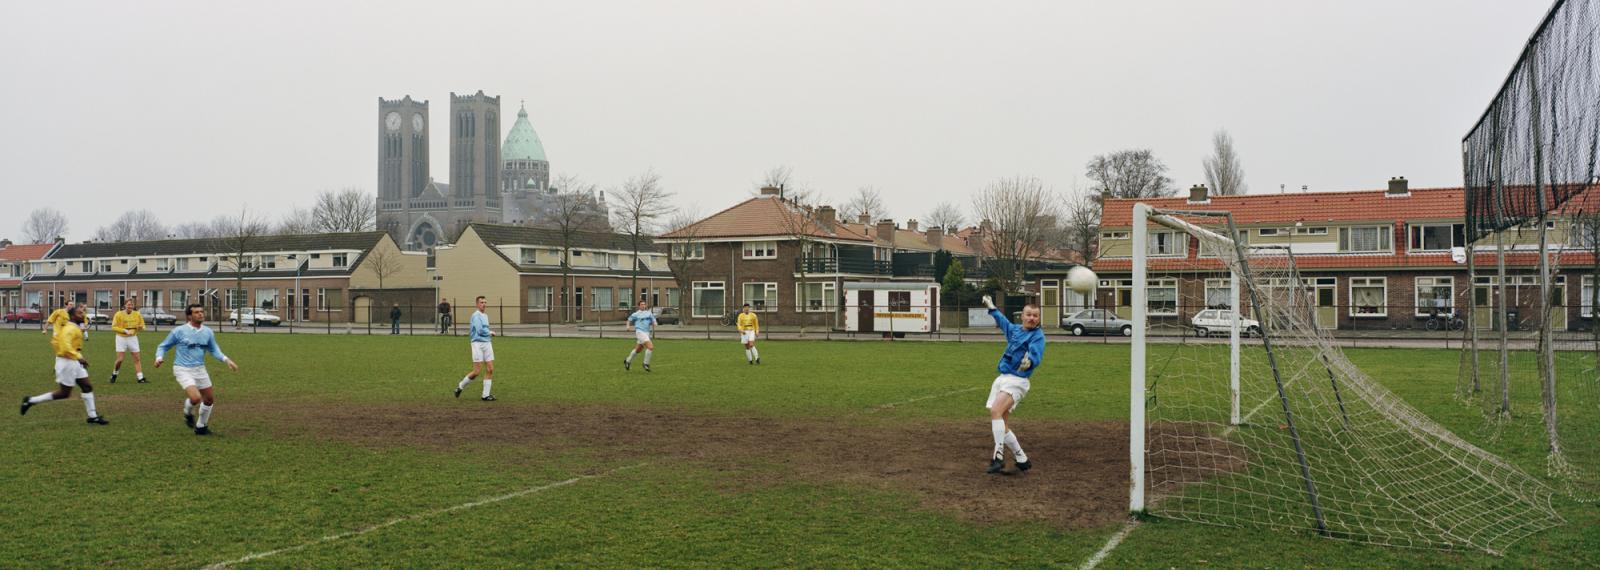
<point>1518,259</point>
<point>10,282</point>
<point>1420,203</point>
<point>764,216</point>
<point>25,252</point>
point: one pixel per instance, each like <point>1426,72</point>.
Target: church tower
<point>402,161</point>
<point>474,158</point>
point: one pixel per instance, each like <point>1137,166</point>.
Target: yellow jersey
<point>57,318</point>
<point>68,341</point>
<point>127,324</point>
<point>747,322</point>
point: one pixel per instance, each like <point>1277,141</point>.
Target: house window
<point>1114,235</point>
<point>1435,294</point>
<point>899,301</point>
<point>183,264</point>
<point>1167,243</point>
<point>235,298</point>
<point>1270,232</point>
<point>341,259</point>
<point>162,264</point>
<point>267,299</point>
<point>709,297</point>
<point>102,299</point>
<point>539,299</point>
<point>328,299</point>
<point>1219,295</point>
<point>761,296</point>
<point>1311,231</point>
<point>602,298</point>
<point>1364,239</point>
<point>1162,297</point>
<point>1587,302</point>
<point>672,296</point>
<point>760,250</point>
<point>1438,237</point>
<point>1369,296</point>
<point>267,262</point>
<point>685,251</point>
<point>179,299</point>
<point>814,297</point>
<point>88,267</point>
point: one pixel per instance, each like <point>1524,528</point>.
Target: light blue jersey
<point>643,321</point>
<point>192,344</point>
<point>480,327</point>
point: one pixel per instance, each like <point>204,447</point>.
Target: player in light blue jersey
<point>643,322</point>
<point>193,341</point>
<point>479,334</point>
<point>1023,355</point>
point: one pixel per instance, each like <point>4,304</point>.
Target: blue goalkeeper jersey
<point>192,344</point>
<point>643,321</point>
<point>1020,342</point>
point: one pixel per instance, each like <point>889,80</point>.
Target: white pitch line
<point>913,400</point>
<point>426,514</point>
<point>1110,545</point>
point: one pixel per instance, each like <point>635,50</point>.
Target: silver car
<point>1097,321</point>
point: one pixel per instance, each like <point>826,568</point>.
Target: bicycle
<point>1437,321</point>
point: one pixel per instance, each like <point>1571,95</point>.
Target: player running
<point>126,324</point>
<point>193,340</point>
<point>749,327</point>
<point>643,321</point>
<point>1024,352</point>
<point>482,352</point>
<point>72,369</point>
<point>58,317</point>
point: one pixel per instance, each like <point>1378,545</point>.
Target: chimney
<point>886,229</point>
<point>5,243</point>
<point>936,237</point>
<point>1105,195</point>
<point>911,225</point>
<point>825,216</point>
<point>1197,194</point>
<point>769,190</point>
<point>1398,187</point>
<point>864,219</point>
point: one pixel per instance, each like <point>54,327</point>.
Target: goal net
<point>1278,429</point>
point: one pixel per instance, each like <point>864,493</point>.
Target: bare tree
<point>568,217</point>
<point>44,225</point>
<point>783,178</point>
<point>867,201</point>
<point>945,215</point>
<point>1223,171</point>
<point>136,225</point>
<point>384,263</point>
<point>1021,214</point>
<point>1133,173</point>
<point>298,221</point>
<point>238,235</point>
<point>347,210</point>
<point>801,225</point>
<point>1080,226</point>
<point>681,254</point>
<point>192,230</point>
<point>642,203</point>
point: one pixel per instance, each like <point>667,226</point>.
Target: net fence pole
<point>1502,315</point>
<point>1472,310</point>
<point>1547,354</point>
<point>1136,429</point>
<point>1233,347</point>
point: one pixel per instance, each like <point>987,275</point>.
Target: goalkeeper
<point>1024,352</point>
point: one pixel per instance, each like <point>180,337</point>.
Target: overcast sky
<point>193,109</point>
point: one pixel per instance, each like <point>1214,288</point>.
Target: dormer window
<point>340,260</point>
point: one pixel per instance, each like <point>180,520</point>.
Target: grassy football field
<point>335,451</point>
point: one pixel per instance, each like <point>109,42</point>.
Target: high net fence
<point>1310,443</point>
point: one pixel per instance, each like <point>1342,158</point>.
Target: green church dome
<point>523,143</point>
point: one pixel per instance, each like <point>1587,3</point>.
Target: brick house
<point>518,269</point>
<point>16,260</point>
<point>317,278</point>
<point>1374,259</point>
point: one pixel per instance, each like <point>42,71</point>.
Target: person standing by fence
<point>444,317</point>
<point>394,319</point>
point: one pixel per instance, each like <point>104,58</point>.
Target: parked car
<point>95,316</point>
<point>253,316</point>
<point>158,316</point>
<point>1219,321</point>
<point>667,315</point>
<point>1097,321</point>
<point>23,316</point>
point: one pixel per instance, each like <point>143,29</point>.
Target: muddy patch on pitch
<point>1079,477</point>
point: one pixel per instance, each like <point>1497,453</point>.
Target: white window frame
<point>1151,285</point>
<point>1269,232</point>
<point>1364,282</point>
<point>1113,235</point>
<point>272,295</point>
<point>769,300</point>
<point>1586,302</point>
<point>539,298</point>
<point>322,300</point>
<point>235,298</point>
<point>1311,231</point>
<point>688,251</point>
<point>694,298</point>
<point>341,260</point>
<point>102,299</point>
<point>1424,307</point>
<point>803,303</point>
<point>1218,284</point>
<point>1415,239</point>
<point>178,299</point>
<point>1385,239</point>
<point>765,249</point>
<point>1179,242</point>
<point>610,298</point>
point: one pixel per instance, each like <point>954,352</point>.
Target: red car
<point>23,316</point>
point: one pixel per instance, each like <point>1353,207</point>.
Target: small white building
<point>908,307</point>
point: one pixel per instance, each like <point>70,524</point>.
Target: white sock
<point>748,355</point>
<point>1016,448</point>
<point>88,404</point>
<point>999,429</point>
<point>463,384</point>
<point>188,407</point>
<point>755,351</point>
<point>141,376</point>
<point>486,383</point>
<point>647,356</point>
<point>205,416</point>
<point>42,398</point>
<point>629,359</point>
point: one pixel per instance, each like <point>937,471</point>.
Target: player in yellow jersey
<point>59,317</point>
<point>127,323</point>
<point>72,369</point>
<point>749,327</point>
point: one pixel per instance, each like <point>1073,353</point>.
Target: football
<point>1082,279</point>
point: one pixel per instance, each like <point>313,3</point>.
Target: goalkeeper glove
<point>1026,363</point>
<point>987,302</point>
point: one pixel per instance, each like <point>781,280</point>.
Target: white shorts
<point>127,343</point>
<point>192,376</point>
<point>641,337</point>
<point>747,336</point>
<point>482,352</point>
<point>68,371</point>
<point>1017,386</point>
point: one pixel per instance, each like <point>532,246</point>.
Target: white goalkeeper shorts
<point>68,371</point>
<point>1017,386</point>
<point>482,352</point>
<point>747,336</point>
<point>641,337</point>
<point>192,377</point>
<point>127,343</point>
